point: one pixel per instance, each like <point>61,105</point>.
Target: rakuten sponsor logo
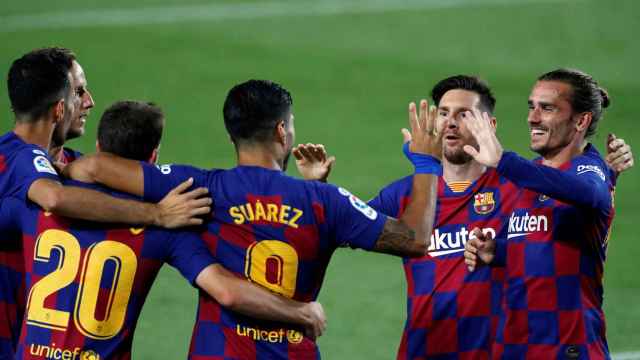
<point>521,225</point>
<point>443,243</point>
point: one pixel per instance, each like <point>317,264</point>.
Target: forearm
<point>242,296</point>
<point>410,235</point>
<point>86,204</point>
<point>552,182</point>
<point>111,170</point>
<point>420,211</point>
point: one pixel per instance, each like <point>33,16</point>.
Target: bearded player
<point>555,247</point>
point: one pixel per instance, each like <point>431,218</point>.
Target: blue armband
<point>423,164</point>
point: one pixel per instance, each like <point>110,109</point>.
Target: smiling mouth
<point>538,132</point>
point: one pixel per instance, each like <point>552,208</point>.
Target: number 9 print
<point>274,265</point>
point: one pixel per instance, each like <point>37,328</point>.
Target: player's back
<point>280,232</point>
<point>87,282</point>
<point>20,165</point>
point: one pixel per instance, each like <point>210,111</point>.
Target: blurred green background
<point>352,67</point>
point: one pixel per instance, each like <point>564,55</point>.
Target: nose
<point>451,122</point>
<point>534,116</point>
<point>87,102</point>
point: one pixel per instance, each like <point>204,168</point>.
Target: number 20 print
<point>93,264</point>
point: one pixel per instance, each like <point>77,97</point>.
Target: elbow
<point>421,242</point>
<point>52,201</point>
<point>420,248</point>
<point>227,298</point>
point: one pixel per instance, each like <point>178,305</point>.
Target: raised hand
<point>179,208</point>
<point>312,161</point>
<point>479,250</point>
<point>619,156</point>
<point>480,127</point>
<point>423,135</point>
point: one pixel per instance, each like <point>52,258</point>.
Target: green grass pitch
<point>351,74</point>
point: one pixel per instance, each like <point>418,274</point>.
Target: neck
<point>258,155</point>
<point>55,152</point>
<point>573,149</point>
<point>38,132</point>
<point>469,171</point>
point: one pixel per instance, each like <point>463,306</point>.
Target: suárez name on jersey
<point>447,242</point>
<point>276,213</point>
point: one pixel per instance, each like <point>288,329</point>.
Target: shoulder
<point>400,186</point>
<point>99,188</point>
<point>590,162</point>
<point>26,156</point>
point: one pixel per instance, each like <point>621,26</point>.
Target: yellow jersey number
<point>274,265</point>
<point>68,247</point>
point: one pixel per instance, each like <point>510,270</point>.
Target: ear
<point>154,156</point>
<point>494,123</point>
<point>97,146</point>
<point>58,111</point>
<point>584,121</point>
<point>281,132</point>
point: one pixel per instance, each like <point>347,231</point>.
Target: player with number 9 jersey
<point>275,230</point>
<point>279,232</point>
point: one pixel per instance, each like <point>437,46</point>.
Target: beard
<point>74,133</point>
<point>59,137</point>
<point>457,155</point>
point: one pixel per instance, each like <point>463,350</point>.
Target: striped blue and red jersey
<point>20,165</point>
<point>452,313</point>
<point>277,231</point>
<point>554,255</point>
<point>68,155</point>
<point>87,282</point>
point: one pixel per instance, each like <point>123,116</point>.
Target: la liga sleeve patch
<point>43,165</point>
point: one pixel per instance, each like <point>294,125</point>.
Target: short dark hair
<point>586,96</point>
<point>131,129</point>
<point>38,80</point>
<point>469,83</point>
<point>252,110</point>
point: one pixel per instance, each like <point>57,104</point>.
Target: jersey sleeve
<point>389,199</point>
<point>189,254</point>
<point>31,164</point>
<point>585,184</point>
<point>160,179</point>
<point>352,222</point>
<point>12,212</point>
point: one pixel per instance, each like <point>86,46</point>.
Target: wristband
<point>423,164</point>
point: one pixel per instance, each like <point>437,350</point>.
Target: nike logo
<point>510,236</point>
<point>444,252</point>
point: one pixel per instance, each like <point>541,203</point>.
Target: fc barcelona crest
<point>484,203</point>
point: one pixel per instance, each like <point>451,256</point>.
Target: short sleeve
<point>31,164</point>
<point>189,254</point>
<point>389,199</point>
<point>352,221</point>
<point>160,179</point>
